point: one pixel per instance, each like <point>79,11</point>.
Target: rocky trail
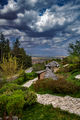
<point>66,103</point>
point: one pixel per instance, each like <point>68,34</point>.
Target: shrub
<point>30,98</point>
<point>2,82</point>
<point>10,87</point>
<point>25,77</point>
<point>19,81</point>
<point>13,98</point>
<point>60,86</point>
<point>16,103</point>
<point>9,66</point>
<point>3,103</point>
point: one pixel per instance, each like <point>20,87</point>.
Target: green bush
<point>13,98</point>
<point>10,87</point>
<point>16,103</point>
<point>30,98</point>
<point>2,82</point>
<point>25,77</point>
<point>3,103</point>
<point>9,67</point>
<point>69,68</point>
<point>60,86</point>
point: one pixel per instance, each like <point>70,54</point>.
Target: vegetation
<point>21,101</point>
<point>25,77</point>
<point>4,47</point>
<point>47,112</point>
<point>38,66</point>
<point>21,56</point>
<point>74,49</point>
<point>59,87</point>
<point>71,77</point>
<point>9,67</point>
<point>12,59</point>
<point>13,99</point>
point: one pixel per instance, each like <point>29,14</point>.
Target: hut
<point>41,74</point>
<point>46,74</point>
<point>49,71</point>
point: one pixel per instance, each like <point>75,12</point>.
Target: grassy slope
<point>41,112</point>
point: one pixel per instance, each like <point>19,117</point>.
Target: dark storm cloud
<point>43,24</point>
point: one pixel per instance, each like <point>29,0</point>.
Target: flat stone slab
<point>28,84</point>
<point>67,103</point>
<point>29,70</point>
<point>77,77</point>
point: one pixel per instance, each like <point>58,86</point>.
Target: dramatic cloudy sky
<point>44,27</point>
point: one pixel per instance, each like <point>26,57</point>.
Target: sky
<point>44,27</point>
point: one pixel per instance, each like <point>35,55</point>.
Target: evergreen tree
<point>18,52</point>
<point>2,46</point>
<point>74,49</point>
<point>16,48</point>
<point>22,59</point>
<point>7,49</point>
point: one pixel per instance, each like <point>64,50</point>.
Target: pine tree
<point>4,47</point>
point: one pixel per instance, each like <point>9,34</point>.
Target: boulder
<point>15,118</point>
<point>50,74</point>
<point>77,77</point>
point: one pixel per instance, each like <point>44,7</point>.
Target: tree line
<point>6,51</point>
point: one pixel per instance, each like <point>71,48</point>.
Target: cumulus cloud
<point>11,6</point>
<point>48,21</point>
<point>26,18</point>
<point>41,23</point>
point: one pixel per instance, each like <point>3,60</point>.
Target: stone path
<point>67,103</point>
<point>29,70</point>
<point>29,83</point>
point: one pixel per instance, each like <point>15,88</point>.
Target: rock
<point>15,118</point>
<point>50,74</point>
<point>77,77</point>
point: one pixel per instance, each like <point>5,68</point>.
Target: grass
<point>47,112</point>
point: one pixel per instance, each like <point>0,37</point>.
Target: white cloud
<point>11,6</point>
<point>28,18</point>
<point>12,32</point>
<point>48,21</point>
<point>55,17</point>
